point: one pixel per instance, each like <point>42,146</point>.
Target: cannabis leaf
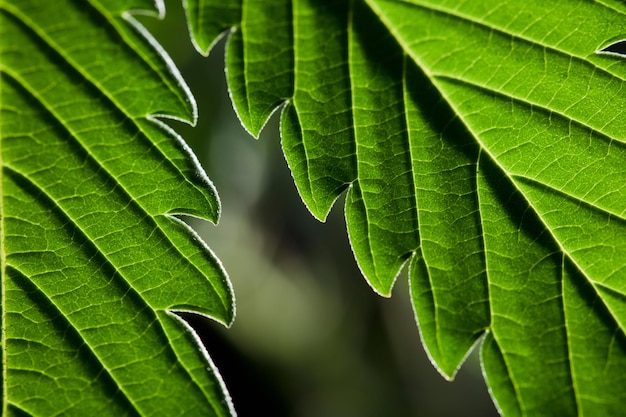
<point>94,260</point>
<point>482,143</point>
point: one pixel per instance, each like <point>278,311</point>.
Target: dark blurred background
<point>311,339</point>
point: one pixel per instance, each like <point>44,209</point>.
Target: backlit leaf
<point>483,144</point>
<point>95,262</point>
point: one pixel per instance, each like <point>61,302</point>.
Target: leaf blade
<point>528,115</point>
<point>92,258</point>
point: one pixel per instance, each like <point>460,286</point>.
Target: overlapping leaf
<point>94,263</point>
<point>483,143</point>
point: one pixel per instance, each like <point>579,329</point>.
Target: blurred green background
<point>311,339</point>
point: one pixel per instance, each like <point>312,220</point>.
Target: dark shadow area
<point>616,48</point>
<point>251,384</point>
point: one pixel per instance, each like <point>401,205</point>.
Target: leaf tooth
<point>316,128</point>
<point>380,207</point>
<point>78,133</point>
<point>104,333</point>
<point>525,275</point>
<point>447,274</point>
<point>260,64</point>
<point>210,20</point>
<point>94,230</point>
<point>65,115</point>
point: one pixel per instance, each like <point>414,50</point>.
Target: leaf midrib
<point>464,17</point>
<point>78,137</point>
<point>514,183</point>
<point>129,195</point>
<point>434,75</point>
<point>511,177</point>
<point>111,98</point>
<point>136,25</point>
<point>3,261</point>
<point>86,343</point>
<point>100,250</point>
<point>2,264</point>
<point>434,79</point>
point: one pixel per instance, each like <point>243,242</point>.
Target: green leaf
<point>95,261</point>
<point>483,143</point>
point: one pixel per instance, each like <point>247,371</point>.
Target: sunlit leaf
<point>95,262</point>
<point>482,143</point>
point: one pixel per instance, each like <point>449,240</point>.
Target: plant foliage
<point>483,144</point>
<point>94,261</point>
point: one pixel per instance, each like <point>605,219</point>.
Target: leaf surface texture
<point>94,260</point>
<point>481,143</point>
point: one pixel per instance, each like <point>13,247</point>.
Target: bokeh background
<point>310,339</point>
